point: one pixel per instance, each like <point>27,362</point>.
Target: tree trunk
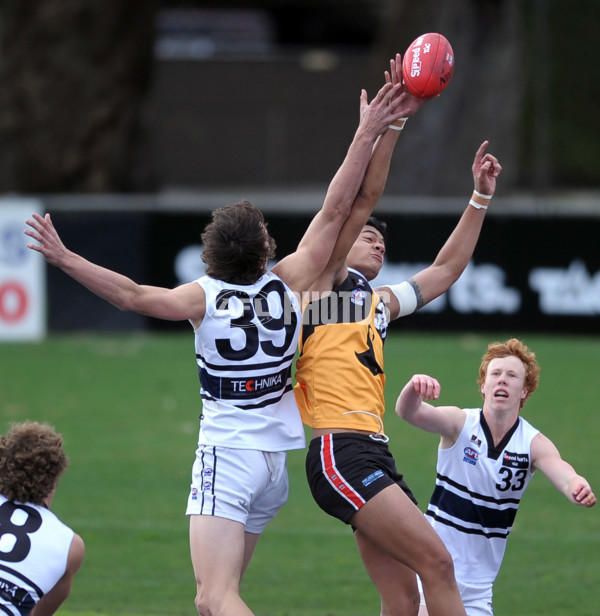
<point>73,74</point>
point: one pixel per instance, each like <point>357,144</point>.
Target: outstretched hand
<point>50,245</point>
<point>377,115</point>
<point>408,104</point>
<point>486,169</point>
<point>392,102</point>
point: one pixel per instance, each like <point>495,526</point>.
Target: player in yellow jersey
<point>340,383</point>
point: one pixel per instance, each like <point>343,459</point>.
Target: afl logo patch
<point>358,297</point>
<point>470,456</point>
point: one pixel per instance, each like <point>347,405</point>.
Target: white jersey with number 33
<point>245,348</point>
<point>478,490</point>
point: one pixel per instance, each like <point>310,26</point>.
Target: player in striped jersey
<point>246,323</point>
<point>39,555</point>
<point>486,459</point>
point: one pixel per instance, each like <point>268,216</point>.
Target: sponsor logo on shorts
<point>372,477</point>
<point>470,456</point>
<point>194,493</point>
<point>207,479</point>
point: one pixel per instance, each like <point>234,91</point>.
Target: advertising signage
<point>527,273</point>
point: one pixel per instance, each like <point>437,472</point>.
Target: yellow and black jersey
<point>339,373</point>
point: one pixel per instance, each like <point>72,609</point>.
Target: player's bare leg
<point>396,583</point>
<point>398,529</point>
<point>220,551</point>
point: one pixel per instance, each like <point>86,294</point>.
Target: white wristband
<point>398,124</point>
<point>480,201</point>
<point>477,205</point>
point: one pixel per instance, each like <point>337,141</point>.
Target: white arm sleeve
<point>406,295</point>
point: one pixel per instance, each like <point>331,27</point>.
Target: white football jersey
<point>477,495</point>
<point>245,348</point>
<point>34,546</point>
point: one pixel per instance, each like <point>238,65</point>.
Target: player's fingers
<point>434,390</point>
<point>34,225</point>
<point>384,92</point>
<point>393,70</point>
<point>480,151</point>
<point>419,384</point>
<point>397,68</point>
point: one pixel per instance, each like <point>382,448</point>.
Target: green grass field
<point>128,408</point>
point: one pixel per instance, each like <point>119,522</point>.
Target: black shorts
<point>345,470</point>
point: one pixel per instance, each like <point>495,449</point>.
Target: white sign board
<point>22,275</point>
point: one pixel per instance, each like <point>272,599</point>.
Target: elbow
<point>125,302</point>
<point>400,409</point>
<point>125,306</point>
<point>403,414</point>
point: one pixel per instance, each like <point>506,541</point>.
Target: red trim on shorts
<point>338,483</point>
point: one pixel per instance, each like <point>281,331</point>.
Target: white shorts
<point>244,485</point>
<point>477,600</point>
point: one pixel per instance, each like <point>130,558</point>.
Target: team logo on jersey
<point>475,440</point>
<point>515,460</point>
<point>470,456</point>
<point>358,297</point>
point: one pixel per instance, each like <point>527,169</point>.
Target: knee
<point>403,601</point>
<point>439,567</point>
<point>203,604</point>
<point>406,605</point>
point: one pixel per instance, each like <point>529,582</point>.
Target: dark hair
<point>380,226</point>
<point>31,461</point>
<point>236,244</point>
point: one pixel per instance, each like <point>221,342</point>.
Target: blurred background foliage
<point>149,95</point>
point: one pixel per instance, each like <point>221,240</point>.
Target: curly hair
<point>236,244</point>
<point>512,347</point>
<point>31,460</point>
